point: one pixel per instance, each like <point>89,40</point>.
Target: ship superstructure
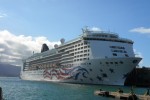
<point>95,57</point>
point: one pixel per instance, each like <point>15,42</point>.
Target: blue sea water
<point>17,89</point>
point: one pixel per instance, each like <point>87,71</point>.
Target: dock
<point>122,96</point>
<point>1,94</point>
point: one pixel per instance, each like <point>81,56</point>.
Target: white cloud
<point>95,29</point>
<point>2,15</point>
<point>14,48</point>
<point>141,30</point>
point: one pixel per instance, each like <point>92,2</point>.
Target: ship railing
<point>137,55</point>
<point>109,39</point>
<point>67,54</point>
<point>45,57</point>
<point>47,60</point>
<point>69,43</point>
<point>125,39</point>
<point>71,52</point>
<point>69,49</point>
<point>66,61</point>
<point>50,61</point>
<point>61,53</point>
<point>67,57</point>
<point>91,32</point>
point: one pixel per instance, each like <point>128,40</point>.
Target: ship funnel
<point>62,41</point>
<point>44,48</point>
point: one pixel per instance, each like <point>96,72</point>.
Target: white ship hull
<point>108,71</point>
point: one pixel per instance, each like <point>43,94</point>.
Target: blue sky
<point>56,19</point>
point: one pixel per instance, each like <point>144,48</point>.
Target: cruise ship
<point>94,57</point>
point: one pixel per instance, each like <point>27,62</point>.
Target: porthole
<point>116,62</point>
<point>111,62</point>
<point>121,62</point>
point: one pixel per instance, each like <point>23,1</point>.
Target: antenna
<point>85,29</point>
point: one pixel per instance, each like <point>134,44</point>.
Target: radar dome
<point>62,41</point>
<point>55,45</point>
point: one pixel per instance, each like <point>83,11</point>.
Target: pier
<point>121,95</point>
<point>1,94</point>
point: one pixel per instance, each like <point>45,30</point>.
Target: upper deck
<point>87,34</point>
<point>104,36</point>
<point>97,35</point>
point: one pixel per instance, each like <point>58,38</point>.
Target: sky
<point>26,24</point>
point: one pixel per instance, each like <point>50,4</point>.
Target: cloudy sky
<point>26,24</point>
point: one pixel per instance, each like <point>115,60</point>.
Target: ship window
<point>100,62</point>
<point>104,75</point>
<point>116,62</point>
<point>126,55</point>
<point>81,55</point>
<point>85,50</point>
<point>85,47</point>
<point>85,42</point>
<point>117,47</point>
<point>81,47</point>
<point>85,54</point>
<point>89,63</point>
<point>84,58</point>
<point>114,54</point>
<point>78,44</point>
<point>135,61</point>
<point>107,63</point>
<point>121,62</point>
<point>81,51</point>
<point>125,51</point>
<point>111,62</point>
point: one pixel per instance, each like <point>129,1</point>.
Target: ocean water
<point>17,89</point>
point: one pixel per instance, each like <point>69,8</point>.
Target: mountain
<point>9,70</point>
